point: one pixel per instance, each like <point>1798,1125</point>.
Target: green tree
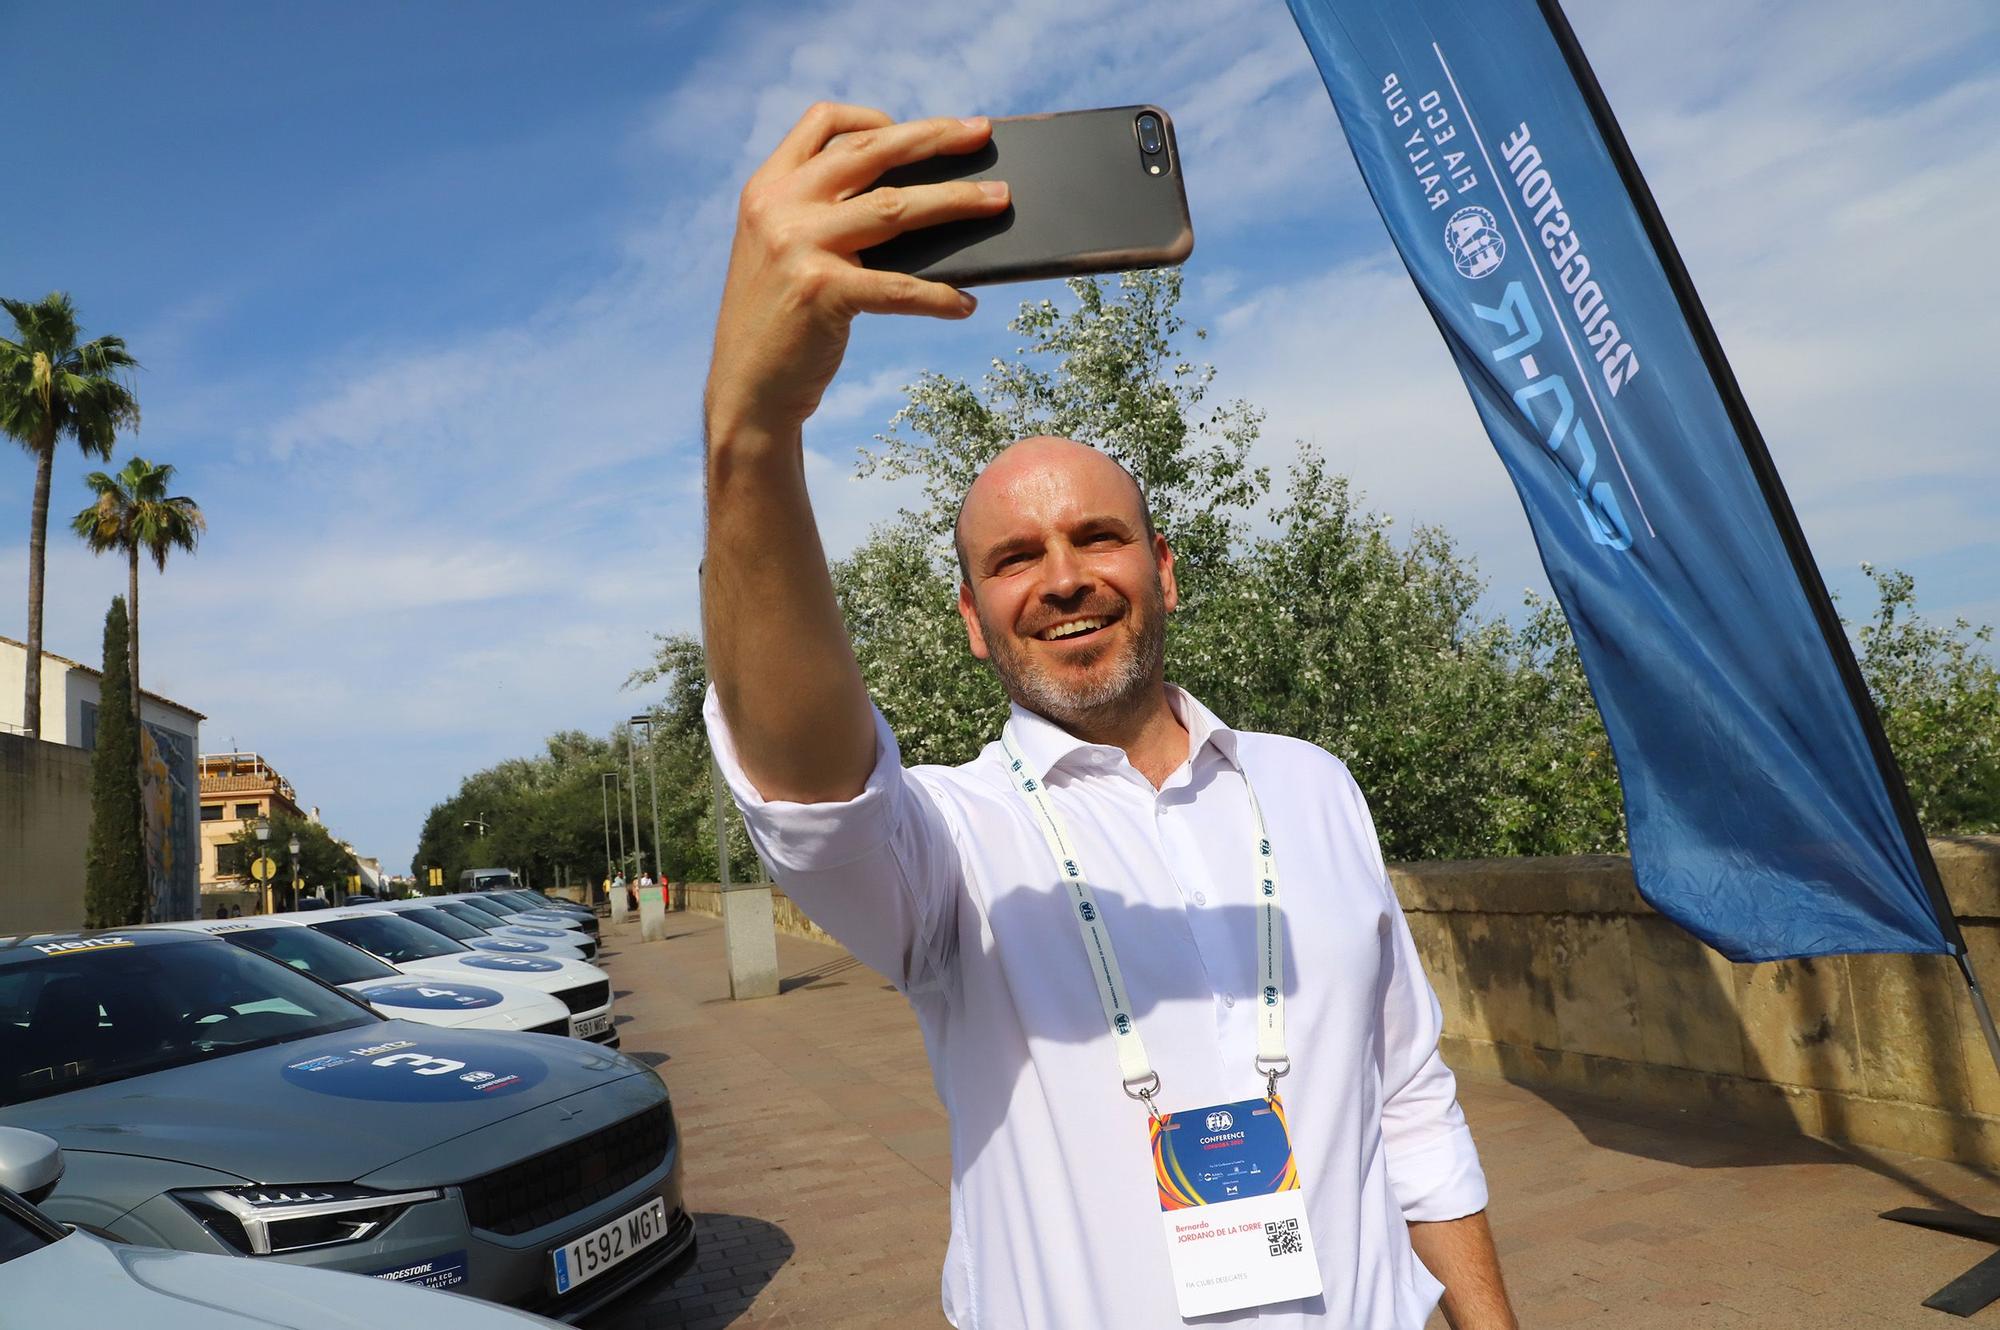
<point>323,861</point>
<point>134,513</point>
<point>687,788</point>
<point>542,815</point>
<point>1110,372</point>
<point>1938,694</point>
<point>114,877</point>
<point>53,387</point>
<point>1472,735</point>
<point>1469,735</point>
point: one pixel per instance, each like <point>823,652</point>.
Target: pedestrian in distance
<point>1126,1016</point>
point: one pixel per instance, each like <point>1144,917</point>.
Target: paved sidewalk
<point>817,1163</point>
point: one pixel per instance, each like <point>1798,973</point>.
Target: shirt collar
<point>1047,746</point>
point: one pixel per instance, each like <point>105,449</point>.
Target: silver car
<point>57,1276</point>
<point>210,1099</point>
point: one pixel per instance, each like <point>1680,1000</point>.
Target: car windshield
<point>76,1018</point>
<point>522,899</point>
<point>389,936</point>
<point>488,906</point>
<point>315,953</point>
<point>442,918</point>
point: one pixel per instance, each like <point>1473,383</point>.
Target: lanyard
<point>1134,1068</point>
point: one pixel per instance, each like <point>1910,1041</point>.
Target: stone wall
<point>706,898</point>
<point>1555,973</point>
<point>44,832</point>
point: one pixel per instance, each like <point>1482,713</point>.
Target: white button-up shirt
<point>939,878</point>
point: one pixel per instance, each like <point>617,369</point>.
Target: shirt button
<point>1200,898</point>
<point>1228,999</point>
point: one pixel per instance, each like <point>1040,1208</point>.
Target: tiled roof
<point>79,665</point>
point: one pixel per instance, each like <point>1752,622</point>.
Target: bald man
<point>1171,1005</point>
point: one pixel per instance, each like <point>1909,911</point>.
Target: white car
<point>57,1276</point>
<point>416,950</point>
<point>515,912</point>
<point>482,932</point>
<point>481,1006</point>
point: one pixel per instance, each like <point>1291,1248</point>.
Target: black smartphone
<point>1089,191</point>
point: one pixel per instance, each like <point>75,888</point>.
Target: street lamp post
<point>605,791</point>
<point>632,764</point>
<point>653,778</point>
<point>618,802</point>
<point>293,846</point>
<point>263,834</point>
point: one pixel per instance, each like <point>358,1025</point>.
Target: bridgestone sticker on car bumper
<point>597,1251</point>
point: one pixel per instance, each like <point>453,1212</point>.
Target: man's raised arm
<point>778,652</point>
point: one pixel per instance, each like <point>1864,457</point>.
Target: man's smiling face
<point>1067,589</point>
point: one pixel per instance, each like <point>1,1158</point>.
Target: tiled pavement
<point>817,1161</point>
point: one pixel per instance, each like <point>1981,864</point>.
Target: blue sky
<point>423,293</point>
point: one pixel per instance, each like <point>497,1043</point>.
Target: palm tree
<point>51,388</point>
<point>135,514</point>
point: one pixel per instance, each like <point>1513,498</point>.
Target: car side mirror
<point>30,1163</point>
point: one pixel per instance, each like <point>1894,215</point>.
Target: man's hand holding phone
<point>794,285</point>
<point>777,648</point>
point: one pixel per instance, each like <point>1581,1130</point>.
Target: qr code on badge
<point>1283,1238</point>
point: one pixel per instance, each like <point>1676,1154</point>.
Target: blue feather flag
<point>1766,813</point>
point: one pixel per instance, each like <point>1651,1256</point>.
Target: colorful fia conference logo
<point>1473,237</point>
<point>1221,1120</point>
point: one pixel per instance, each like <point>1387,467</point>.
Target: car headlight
<point>266,1221</point>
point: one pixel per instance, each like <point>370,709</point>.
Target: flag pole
<point>1980,1285</point>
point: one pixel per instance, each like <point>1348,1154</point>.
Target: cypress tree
<point>115,869</point>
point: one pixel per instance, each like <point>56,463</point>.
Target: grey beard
<point>1073,708</point>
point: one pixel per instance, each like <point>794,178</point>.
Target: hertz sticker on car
<point>74,945</point>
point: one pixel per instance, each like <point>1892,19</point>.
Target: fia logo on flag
<point>1473,237</point>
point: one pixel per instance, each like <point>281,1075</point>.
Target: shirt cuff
<point>811,837</point>
<point>1439,1180</point>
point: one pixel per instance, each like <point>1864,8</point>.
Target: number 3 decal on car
<point>421,1063</point>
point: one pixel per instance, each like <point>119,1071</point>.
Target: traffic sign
<point>264,868</point>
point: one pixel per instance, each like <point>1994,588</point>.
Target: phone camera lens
<point>1150,138</point>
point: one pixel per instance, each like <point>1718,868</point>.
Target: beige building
<point>236,790</point>
<point>47,786</point>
